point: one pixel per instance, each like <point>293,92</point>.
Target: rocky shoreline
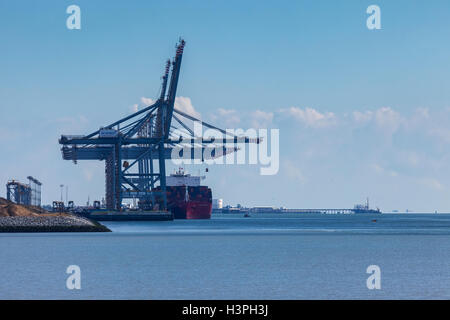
<point>55,223</point>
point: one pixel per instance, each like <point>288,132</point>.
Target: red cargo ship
<point>186,198</point>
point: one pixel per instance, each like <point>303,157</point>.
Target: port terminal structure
<point>25,194</point>
<point>136,147</point>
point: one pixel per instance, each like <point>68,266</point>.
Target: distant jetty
<point>19,218</point>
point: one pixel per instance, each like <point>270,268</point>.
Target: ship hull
<point>198,210</point>
<point>192,210</point>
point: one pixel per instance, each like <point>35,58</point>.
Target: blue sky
<point>361,112</point>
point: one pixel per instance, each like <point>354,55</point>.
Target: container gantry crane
<point>134,142</point>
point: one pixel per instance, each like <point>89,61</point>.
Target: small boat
<point>247,215</point>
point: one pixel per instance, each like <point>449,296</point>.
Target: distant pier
<point>105,215</point>
<point>285,210</point>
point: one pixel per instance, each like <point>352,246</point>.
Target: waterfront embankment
<point>19,218</point>
<point>53,223</point>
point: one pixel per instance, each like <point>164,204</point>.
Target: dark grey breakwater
<point>60,223</point>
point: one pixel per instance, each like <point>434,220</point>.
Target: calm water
<point>231,257</point>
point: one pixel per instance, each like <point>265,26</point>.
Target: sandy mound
<point>10,209</point>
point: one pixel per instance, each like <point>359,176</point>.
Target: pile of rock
<point>19,218</point>
<point>61,223</point>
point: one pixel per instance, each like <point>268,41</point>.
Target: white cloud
<point>226,118</point>
<point>147,101</point>
<point>227,113</point>
<point>185,104</point>
<point>261,119</point>
<point>388,119</point>
<point>311,117</point>
<point>231,118</point>
<point>181,103</point>
<point>385,118</point>
<point>362,117</point>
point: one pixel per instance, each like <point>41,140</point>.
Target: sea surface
<point>284,256</point>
